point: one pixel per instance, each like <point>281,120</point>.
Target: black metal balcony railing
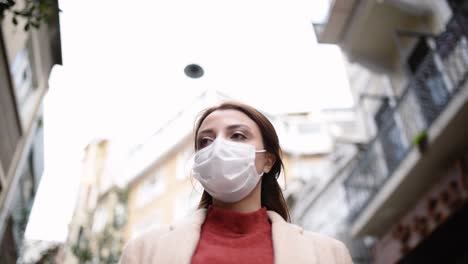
<point>437,80</point>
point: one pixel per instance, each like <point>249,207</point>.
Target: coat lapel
<point>182,239</point>
<point>289,243</point>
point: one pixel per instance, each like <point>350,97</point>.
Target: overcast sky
<point>123,76</point>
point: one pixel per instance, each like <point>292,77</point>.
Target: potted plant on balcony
<point>420,141</point>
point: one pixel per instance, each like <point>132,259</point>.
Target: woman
<point>242,216</point>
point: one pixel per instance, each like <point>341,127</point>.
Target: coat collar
<point>199,216</point>
<point>285,236</point>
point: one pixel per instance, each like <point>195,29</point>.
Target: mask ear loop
<point>282,174</point>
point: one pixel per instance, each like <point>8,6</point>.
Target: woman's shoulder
<point>149,235</point>
<point>318,237</point>
<point>323,239</point>
<point>137,246</point>
<point>146,244</point>
<point>326,246</point>
<point>296,233</point>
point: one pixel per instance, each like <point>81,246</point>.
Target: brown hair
<point>271,194</point>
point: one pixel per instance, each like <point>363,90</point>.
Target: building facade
<point>26,59</point>
<point>406,189</point>
<point>96,232</point>
<point>164,193</point>
<point>78,246</point>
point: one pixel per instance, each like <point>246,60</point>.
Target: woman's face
<point>236,126</point>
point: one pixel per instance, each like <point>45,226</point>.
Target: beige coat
<point>291,244</point>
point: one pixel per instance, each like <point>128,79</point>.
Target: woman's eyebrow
<point>230,128</point>
<point>206,131</point>
<point>238,126</point>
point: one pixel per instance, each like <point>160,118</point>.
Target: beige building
<point>164,193</point>
<point>109,219</point>
<point>80,246</point>
<point>96,232</point>
<point>26,60</point>
<point>401,189</point>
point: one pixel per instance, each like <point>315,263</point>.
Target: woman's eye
<point>238,136</point>
<point>203,142</point>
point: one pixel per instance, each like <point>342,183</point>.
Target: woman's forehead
<point>227,117</point>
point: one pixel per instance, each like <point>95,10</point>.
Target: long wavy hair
<point>271,195</point>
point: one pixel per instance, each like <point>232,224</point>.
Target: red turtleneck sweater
<point>232,237</point>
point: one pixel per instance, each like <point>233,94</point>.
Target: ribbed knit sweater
<point>232,237</point>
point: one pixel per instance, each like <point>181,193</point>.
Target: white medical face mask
<point>226,169</point>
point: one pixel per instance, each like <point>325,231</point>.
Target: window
<point>120,215</point>
<point>384,115</point>
<point>36,158</point>
<point>32,66</point>
<point>100,220</point>
<point>151,188</point>
<point>23,73</point>
<point>418,55</point>
<point>80,238</point>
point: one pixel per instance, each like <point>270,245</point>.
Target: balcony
<point>365,29</point>
<point>417,135</point>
